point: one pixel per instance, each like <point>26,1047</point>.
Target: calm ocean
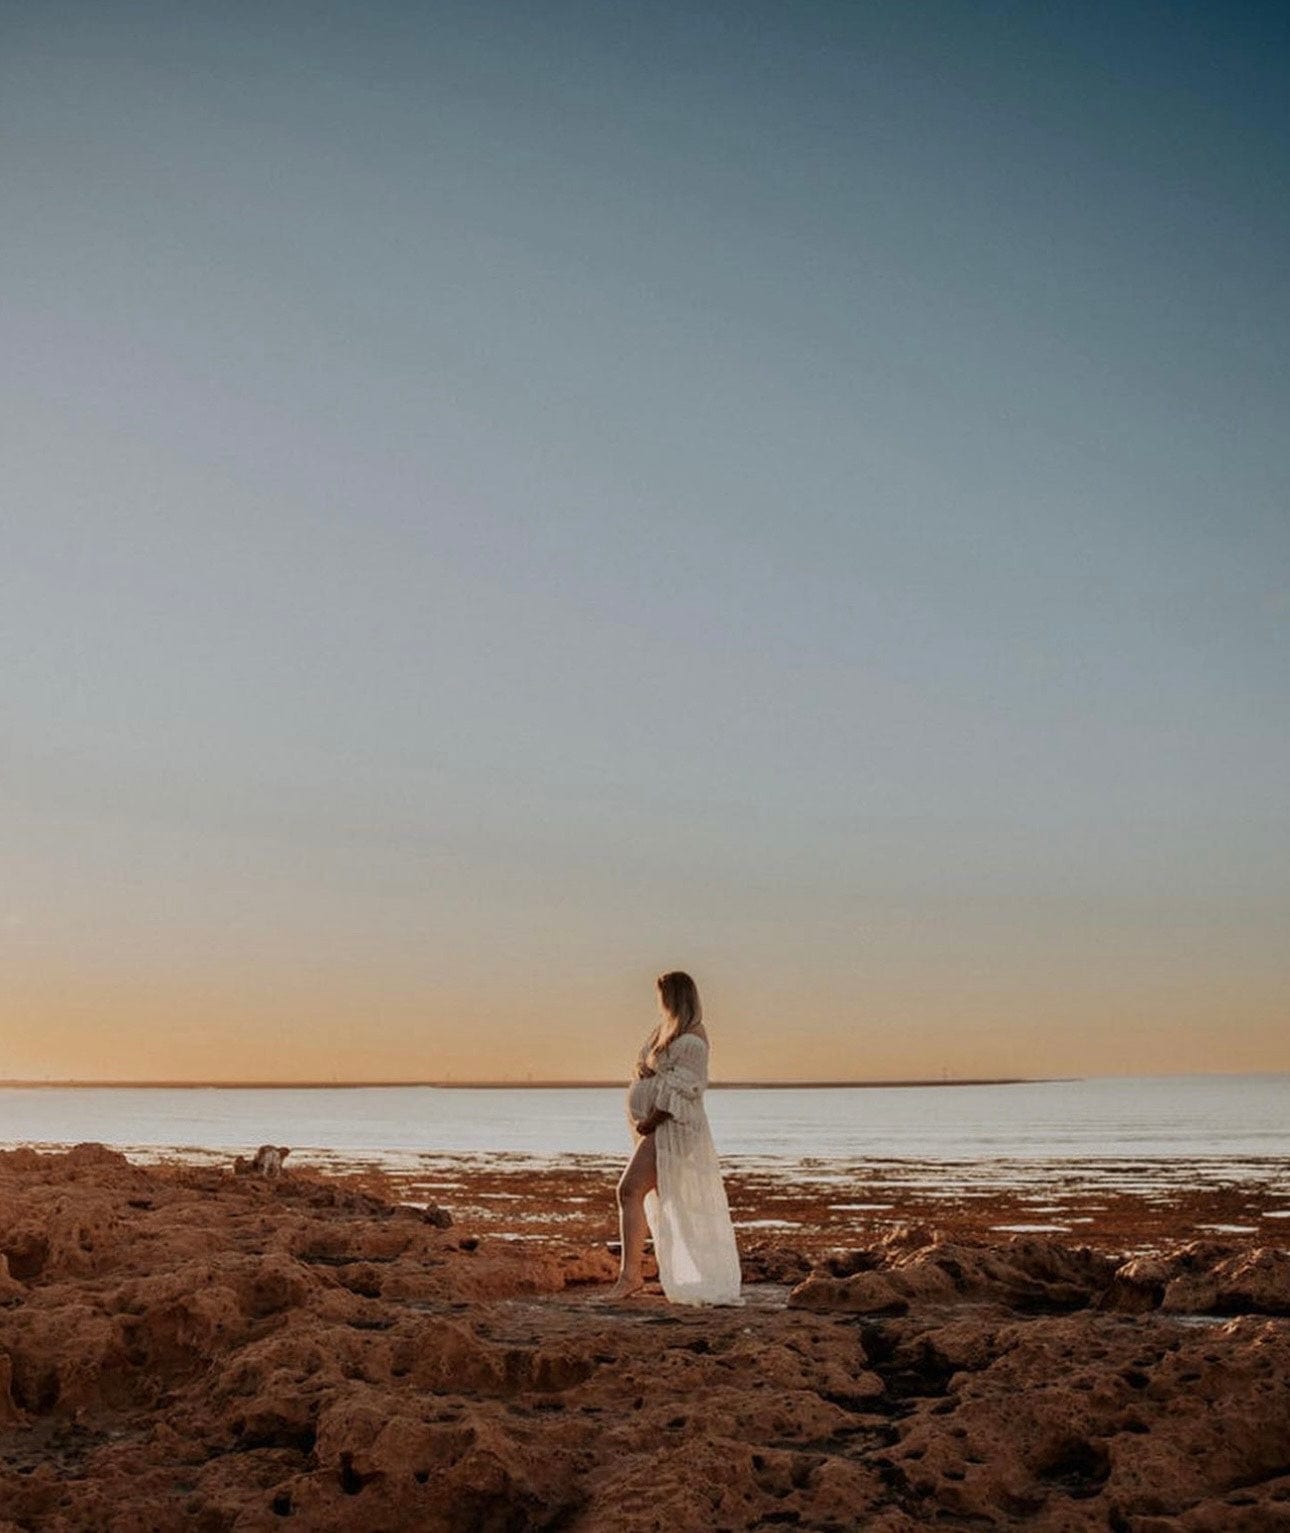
<point>1196,1116</point>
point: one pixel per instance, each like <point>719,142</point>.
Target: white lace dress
<point>689,1217</point>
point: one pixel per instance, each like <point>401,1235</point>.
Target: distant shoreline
<point>484,1085</point>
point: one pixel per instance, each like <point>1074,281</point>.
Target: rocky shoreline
<point>185,1348</point>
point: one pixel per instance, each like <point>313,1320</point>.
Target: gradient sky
<point>499,500</point>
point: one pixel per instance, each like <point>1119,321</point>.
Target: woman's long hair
<point>682,1012</point>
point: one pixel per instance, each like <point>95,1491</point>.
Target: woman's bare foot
<point>624,1288</point>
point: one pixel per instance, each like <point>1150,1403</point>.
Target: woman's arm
<point>683,1078</point>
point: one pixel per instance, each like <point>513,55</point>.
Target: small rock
<point>266,1162</point>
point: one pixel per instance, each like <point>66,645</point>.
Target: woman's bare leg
<point>640,1177</point>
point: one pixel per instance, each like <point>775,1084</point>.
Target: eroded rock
<point>184,1348</point>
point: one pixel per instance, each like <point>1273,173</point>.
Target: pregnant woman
<point>672,1183</point>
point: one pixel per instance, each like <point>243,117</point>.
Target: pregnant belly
<point>640,1097</point>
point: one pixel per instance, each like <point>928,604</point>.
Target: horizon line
<point>508,1084</point>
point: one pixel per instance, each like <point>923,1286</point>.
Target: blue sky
<point>502,500</point>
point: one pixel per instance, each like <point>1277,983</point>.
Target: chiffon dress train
<point>688,1215</point>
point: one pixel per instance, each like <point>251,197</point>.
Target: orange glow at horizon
<point>266,1032</point>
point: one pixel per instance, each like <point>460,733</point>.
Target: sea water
<point>1191,1117</point>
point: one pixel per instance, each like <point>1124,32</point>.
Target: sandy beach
<point>421,1349</point>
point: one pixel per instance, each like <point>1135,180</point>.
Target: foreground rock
<point>190,1349</point>
<point>914,1267</point>
<point>1042,1276</point>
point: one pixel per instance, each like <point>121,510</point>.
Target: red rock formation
<point>183,1349</point>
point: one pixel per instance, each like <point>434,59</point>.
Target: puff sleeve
<point>682,1079</point>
